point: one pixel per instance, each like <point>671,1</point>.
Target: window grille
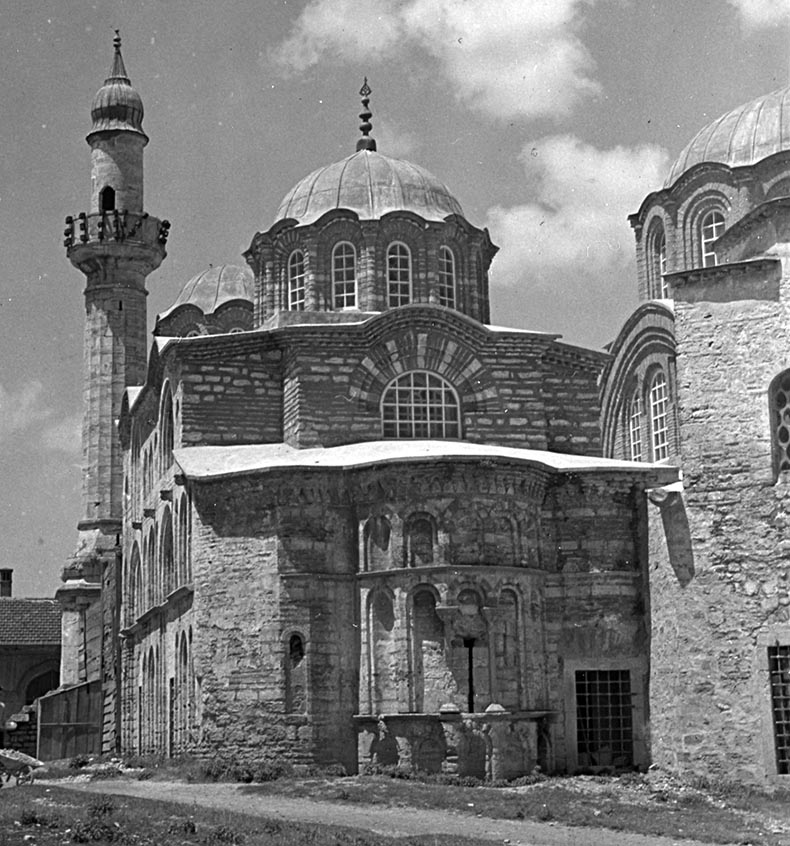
<point>344,275</point>
<point>420,405</point>
<point>604,718</point>
<point>711,228</point>
<point>659,417</point>
<point>635,427</point>
<point>779,669</point>
<point>662,266</point>
<point>780,402</point>
<point>296,281</point>
<point>446,277</point>
<point>398,275</point>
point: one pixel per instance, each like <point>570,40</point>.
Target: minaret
<point>116,245</point>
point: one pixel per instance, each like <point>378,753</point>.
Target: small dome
<point>741,137</point>
<point>371,185</point>
<point>213,288</point>
<point>117,105</point>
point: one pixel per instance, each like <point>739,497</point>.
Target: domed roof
<point>743,136</point>
<point>213,288</point>
<point>117,105</point>
<point>371,185</point>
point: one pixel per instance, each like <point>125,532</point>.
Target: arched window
<point>446,277</point>
<point>398,274</point>
<point>344,275</point>
<point>296,281</point>
<point>711,228</point>
<point>635,426</point>
<point>420,405</point>
<point>107,199</point>
<point>662,266</point>
<point>659,416</point>
<point>134,595</point>
<point>184,573</point>
<point>166,553</point>
<point>295,675</point>
<point>166,426</point>
<point>780,411</point>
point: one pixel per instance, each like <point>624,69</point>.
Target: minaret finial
<point>118,70</point>
<point>365,142</point>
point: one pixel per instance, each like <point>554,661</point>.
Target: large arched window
<point>398,275</point>
<point>780,411</point>
<point>659,416</point>
<point>711,228</point>
<point>635,426</point>
<point>344,275</point>
<point>419,404</point>
<point>446,277</point>
<point>166,427</point>
<point>166,554</point>
<point>296,281</point>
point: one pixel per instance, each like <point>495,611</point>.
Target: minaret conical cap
<point>117,105</point>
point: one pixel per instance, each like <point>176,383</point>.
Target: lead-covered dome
<point>741,137</point>
<point>217,299</point>
<point>117,105</point>
<point>371,185</point>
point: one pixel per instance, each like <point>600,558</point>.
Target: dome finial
<point>365,142</point>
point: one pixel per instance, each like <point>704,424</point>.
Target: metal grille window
<point>398,275</point>
<point>420,405</point>
<point>604,718</point>
<point>711,228</point>
<point>659,416</point>
<point>344,275</point>
<point>635,427</point>
<point>780,404</point>
<point>296,281</point>
<point>446,277</point>
<point>662,266</point>
<point>779,669</point>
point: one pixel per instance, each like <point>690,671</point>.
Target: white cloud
<point>65,435</point>
<point>574,232</point>
<point>760,13</point>
<point>345,29</point>
<point>21,408</point>
<point>393,141</point>
<point>505,57</point>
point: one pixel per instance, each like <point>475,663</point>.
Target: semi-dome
<point>740,137</point>
<point>371,185</point>
<point>117,105</point>
<point>213,288</point>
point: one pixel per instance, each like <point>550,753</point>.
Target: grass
<point>653,804</point>
<point>627,804</point>
<point>53,816</point>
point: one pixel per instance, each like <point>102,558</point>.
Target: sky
<point>549,120</point>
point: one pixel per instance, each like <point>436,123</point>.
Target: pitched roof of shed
<point>29,621</point>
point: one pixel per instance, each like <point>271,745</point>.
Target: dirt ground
<point>392,821</point>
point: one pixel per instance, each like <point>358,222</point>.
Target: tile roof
<point>29,622</point>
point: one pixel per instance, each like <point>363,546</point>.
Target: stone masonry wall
<point>713,617</point>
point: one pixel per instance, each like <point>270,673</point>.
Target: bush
<point>79,761</point>
<point>270,771</point>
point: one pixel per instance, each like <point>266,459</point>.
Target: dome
<point>741,137</point>
<point>371,185</point>
<point>117,105</point>
<point>213,288</point>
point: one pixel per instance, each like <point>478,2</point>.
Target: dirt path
<point>391,821</point>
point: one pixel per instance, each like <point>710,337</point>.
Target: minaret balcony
<point>137,236</point>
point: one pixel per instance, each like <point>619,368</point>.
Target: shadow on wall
<point>676,532</point>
